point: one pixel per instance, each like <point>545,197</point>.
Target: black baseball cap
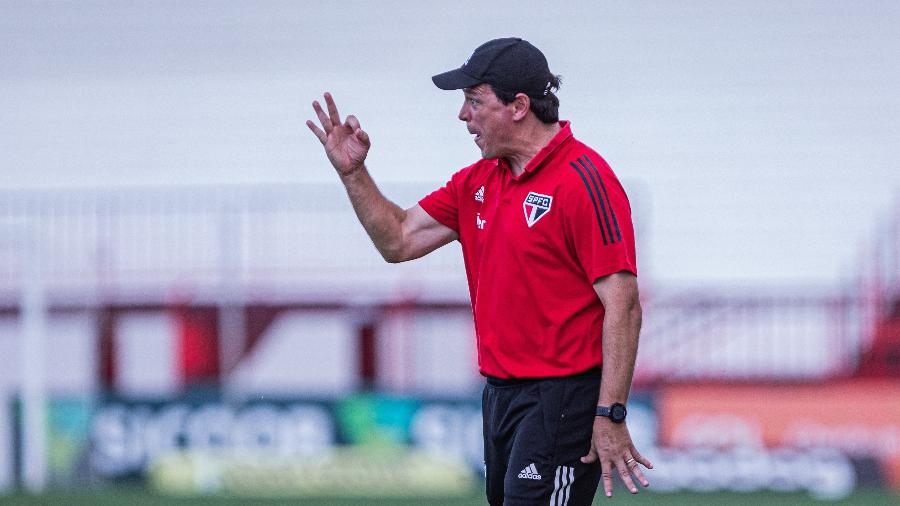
<point>511,64</point>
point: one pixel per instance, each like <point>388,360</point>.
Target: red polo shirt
<point>533,245</point>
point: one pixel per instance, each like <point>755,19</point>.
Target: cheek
<point>487,124</point>
<point>494,126</point>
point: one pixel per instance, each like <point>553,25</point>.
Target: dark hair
<point>546,108</point>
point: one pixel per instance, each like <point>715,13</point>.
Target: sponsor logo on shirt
<point>536,206</point>
<point>479,195</point>
<point>479,222</point>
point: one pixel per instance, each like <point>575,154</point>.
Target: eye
<point>474,101</point>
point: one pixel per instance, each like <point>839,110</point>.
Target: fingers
<point>640,458</point>
<point>360,134</point>
<point>332,109</point>
<point>323,118</point>
<point>363,137</point>
<point>637,458</point>
<point>626,466</point>
<point>606,477</point>
<point>625,475</point>
<point>635,469</point>
<point>317,131</point>
<point>332,119</point>
<point>352,122</point>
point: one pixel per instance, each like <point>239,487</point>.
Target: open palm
<point>346,144</point>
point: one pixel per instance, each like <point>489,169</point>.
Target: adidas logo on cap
<point>530,473</point>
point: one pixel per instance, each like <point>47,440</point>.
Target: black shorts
<point>535,433</point>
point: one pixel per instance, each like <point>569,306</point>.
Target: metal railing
<point>148,244</point>
<point>879,278</point>
<point>779,335</point>
<point>236,245</point>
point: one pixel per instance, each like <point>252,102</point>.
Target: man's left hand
<point>611,444</point>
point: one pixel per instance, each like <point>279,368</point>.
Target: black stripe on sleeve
<point>593,201</point>
<point>608,203</point>
<point>590,174</point>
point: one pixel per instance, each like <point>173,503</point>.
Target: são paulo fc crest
<point>536,206</point>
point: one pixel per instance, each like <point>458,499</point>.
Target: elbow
<point>392,255</point>
<point>635,309</point>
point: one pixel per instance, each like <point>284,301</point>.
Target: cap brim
<point>454,79</point>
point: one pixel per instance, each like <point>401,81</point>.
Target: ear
<point>521,105</point>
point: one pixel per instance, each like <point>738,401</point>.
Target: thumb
<point>590,457</point>
<point>362,136</point>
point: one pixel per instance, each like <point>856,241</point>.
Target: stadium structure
<point>130,301</point>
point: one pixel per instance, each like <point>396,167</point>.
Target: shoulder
<point>583,155</point>
<point>474,175</point>
<point>476,170</point>
<point>582,168</point>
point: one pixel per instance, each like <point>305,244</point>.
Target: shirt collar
<point>565,132</point>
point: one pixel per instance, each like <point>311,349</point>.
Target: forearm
<point>621,328</point>
<point>381,218</point>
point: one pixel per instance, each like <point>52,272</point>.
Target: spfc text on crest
<point>536,206</point>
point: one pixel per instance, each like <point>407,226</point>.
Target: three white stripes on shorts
<point>561,485</point>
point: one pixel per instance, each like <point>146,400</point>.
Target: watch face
<point>617,413</point>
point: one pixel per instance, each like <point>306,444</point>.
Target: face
<point>488,118</point>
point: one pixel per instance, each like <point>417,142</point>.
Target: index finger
<point>332,109</point>
<point>637,458</point>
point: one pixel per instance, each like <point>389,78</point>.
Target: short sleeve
<point>443,205</point>
<point>598,221</point>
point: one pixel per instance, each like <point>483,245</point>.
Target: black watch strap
<point>615,412</point>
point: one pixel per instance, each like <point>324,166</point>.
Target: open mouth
<point>476,134</point>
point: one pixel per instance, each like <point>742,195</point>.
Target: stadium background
<point>189,308</point>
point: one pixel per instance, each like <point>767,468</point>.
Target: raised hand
<point>611,444</point>
<point>346,144</point>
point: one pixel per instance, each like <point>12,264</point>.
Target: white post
<point>33,321</point>
<point>7,432</point>
<point>6,444</point>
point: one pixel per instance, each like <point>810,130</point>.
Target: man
<point>548,243</point>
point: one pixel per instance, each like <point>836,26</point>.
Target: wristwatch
<point>616,412</point>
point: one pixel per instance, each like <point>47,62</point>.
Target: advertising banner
<point>858,418</point>
<point>371,445</point>
<point>701,438</point>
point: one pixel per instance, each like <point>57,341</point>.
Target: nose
<point>463,113</point>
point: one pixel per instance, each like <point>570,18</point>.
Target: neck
<point>528,142</point>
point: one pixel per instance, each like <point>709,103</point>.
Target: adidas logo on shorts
<point>530,472</point>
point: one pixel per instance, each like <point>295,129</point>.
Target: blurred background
<point>189,307</point>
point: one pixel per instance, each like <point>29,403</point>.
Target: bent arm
<point>398,234</point>
<point>621,327</point>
